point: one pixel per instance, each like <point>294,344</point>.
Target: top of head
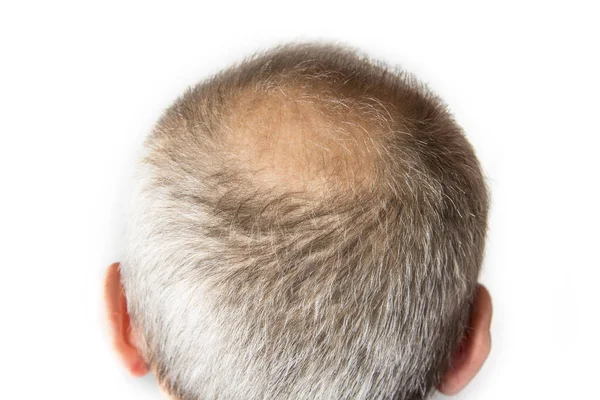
<point>306,224</point>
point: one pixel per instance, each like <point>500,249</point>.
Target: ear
<point>474,348</point>
<point>120,324</point>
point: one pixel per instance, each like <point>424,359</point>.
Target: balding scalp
<point>305,224</point>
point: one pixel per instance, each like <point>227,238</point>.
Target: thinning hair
<point>306,224</point>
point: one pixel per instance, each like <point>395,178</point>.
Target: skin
<point>469,358</point>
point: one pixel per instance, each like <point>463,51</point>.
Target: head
<point>305,224</point>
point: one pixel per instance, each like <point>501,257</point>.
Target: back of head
<point>306,224</point>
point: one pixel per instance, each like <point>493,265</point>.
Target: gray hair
<point>307,224</point>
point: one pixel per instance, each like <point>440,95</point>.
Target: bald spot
<point>293,140</point>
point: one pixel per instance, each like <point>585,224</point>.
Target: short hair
<point>306,224</point>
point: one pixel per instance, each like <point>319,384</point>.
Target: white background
<point>82,83</point>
